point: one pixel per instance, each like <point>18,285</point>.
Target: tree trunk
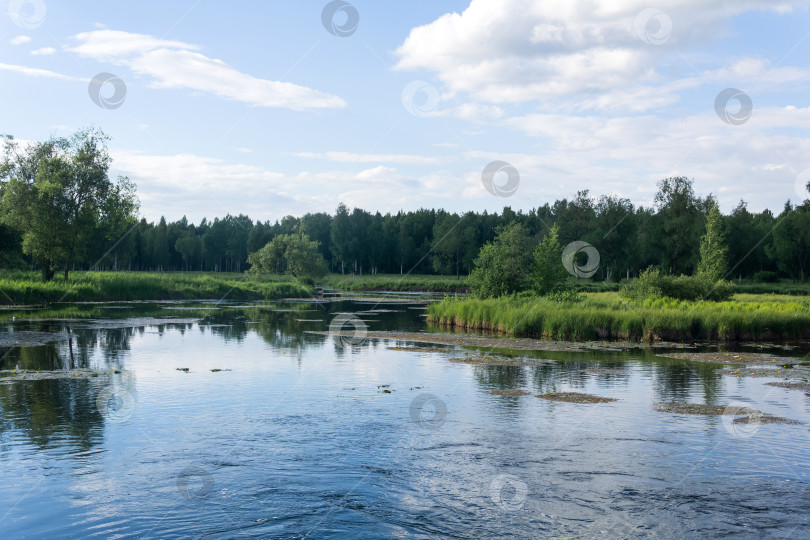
<point>47,272</point>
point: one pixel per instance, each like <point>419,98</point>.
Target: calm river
<point>304,435</point>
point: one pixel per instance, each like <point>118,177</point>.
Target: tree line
<point>99,228</point>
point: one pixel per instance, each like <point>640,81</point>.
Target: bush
<point>651,284</point>
<point>565,296</point>
<point>766,276</point>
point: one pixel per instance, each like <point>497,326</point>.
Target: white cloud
<point>19,40</point>
<point>198,186</point>
<point>43,51</point>
<point>507,51</point>
<point>349,157</point>
<point>174,64</point>
<point>470,111</point>
<point>34,72</point>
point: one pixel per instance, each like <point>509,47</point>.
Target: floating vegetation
<point>216,370</point>
<point>491,361</point>
<point>792,385</point>
<point>9,376</point>
<point>510,392</point>
<point>607,371</point>
<point>774,372</point>
<point>703,409</point>
<point>30,339</point>
<point>490,342</point>
<point>183,369</point>
<point>574,397</point>
<point>756,419</point>
<point>729,357</point>
<point>423,349</point>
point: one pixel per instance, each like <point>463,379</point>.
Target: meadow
<point>395,282</point>
<point>21,287</point>
<point>607,315</point>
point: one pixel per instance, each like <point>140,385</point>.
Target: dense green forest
<point>629,239</point>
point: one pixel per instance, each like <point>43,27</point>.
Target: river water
<point>304,435</point>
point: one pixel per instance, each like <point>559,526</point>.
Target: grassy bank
<point>27,288</point>
<point>609,316</point>
<point>395,282</point>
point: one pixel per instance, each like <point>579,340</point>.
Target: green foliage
<point>791,241</point>
<point>503,266</point>
<point>57,194</point>
<point>548,271</point>
<point>21,287</point>
<point>454,243</point>
<point>652,284</point>
<point>766,276</point>
<point>293,254</point>
<point>713,264</point>
<point>608,316</point>
<point>565,296</point>
<point>394,282</point>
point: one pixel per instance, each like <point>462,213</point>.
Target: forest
<point>666,235</point>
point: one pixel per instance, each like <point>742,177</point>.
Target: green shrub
<point>766,276</point>
<point>652,284</point>
<point>565,295</point>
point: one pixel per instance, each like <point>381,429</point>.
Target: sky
<point>273,108</point>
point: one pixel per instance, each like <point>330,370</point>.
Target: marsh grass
<point>18,288</point>
<point>395,282</point>
<point>609,316</point>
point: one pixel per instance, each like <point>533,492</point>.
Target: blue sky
<point>255,107</point>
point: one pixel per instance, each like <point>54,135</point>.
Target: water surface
<point>306,435</point>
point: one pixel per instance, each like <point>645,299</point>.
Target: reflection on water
<point>306,435</point>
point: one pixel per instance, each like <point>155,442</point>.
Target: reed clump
<point>611,316</point>
<point>26,288</point>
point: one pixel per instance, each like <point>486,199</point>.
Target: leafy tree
<point>293,254</point>
<point>454,240</point>
<point>680,221</point>
<point>504,265</point>
<point>713,249</point>
<point>189,247</point>
<point>548,270</point>
<point>340,236</point>
<point>58,193</point>
<point>791,241</point>
<point>616,226</point>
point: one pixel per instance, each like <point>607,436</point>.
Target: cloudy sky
<point>275,108</point>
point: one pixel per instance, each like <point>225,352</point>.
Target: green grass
<point>27,288</point>
<point>394,282</point>
<point>609,316</point>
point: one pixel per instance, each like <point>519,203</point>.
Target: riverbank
<point>19,288</point>
<point>395,282</point>
<point>608,316</point>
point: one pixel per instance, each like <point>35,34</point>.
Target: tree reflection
<point>48,412</point>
